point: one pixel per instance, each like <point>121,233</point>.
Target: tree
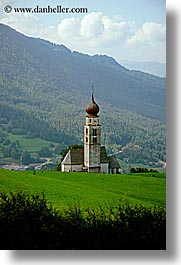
<point>45,152</point>
<point>26,158</point>
<point>58,167</point>
<point>133,170</point>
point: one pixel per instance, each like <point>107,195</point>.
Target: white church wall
<point>69,168</point>
<point>77,167</point>
<point>105,168</point>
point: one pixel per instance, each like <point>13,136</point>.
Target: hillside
<point>44,89</point>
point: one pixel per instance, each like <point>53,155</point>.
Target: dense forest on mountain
<point>44,90</point>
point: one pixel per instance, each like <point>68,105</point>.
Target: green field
<point>86,189</point>
<point>25,143</point>
<point>32,145</point>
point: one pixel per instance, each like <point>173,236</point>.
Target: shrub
<point>25,220</point>
<point>142,170</point>
<point>29,222</point>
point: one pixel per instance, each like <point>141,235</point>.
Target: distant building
<point>92,157</point>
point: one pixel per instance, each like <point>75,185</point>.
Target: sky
<point>128,30</point>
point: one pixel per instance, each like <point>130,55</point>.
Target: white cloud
<point>93,30</point>
<point>29,24</point>
<point>26,23</point>
<point>92,25</point>
<point>96,33</point>
<point>115,29</point>
<point>150,33</point>
<point>68,28</point>
<point>154,32</point>
<point>6,2</point>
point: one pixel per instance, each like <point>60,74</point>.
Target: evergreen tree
<point>26,158</point>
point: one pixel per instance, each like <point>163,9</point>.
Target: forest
<point>44,90</point>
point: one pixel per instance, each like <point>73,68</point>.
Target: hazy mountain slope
<point>154,68</point>
<point>76,72</point>
<point>51,84</point>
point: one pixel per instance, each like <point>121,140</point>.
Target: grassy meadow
<point>86,189</point>
<point>32,145</point>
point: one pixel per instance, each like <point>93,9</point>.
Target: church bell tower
<point>92,137</point>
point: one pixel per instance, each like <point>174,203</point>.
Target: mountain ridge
<point>52,84</point>
<point>150,67</point>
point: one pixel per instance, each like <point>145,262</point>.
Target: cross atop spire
<point>92,88</point>
<point>92,92</point>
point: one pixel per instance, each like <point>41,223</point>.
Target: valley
<point>44,89</point>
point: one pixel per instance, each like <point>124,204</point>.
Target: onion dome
<point>92,109</point>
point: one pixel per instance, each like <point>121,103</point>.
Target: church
<point>92,157</point>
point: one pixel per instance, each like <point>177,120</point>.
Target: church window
<point>94,132</point>
<point>86,139</point>
<point>94,140</point>
<point>90,120</point>
<point>86,130</point>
